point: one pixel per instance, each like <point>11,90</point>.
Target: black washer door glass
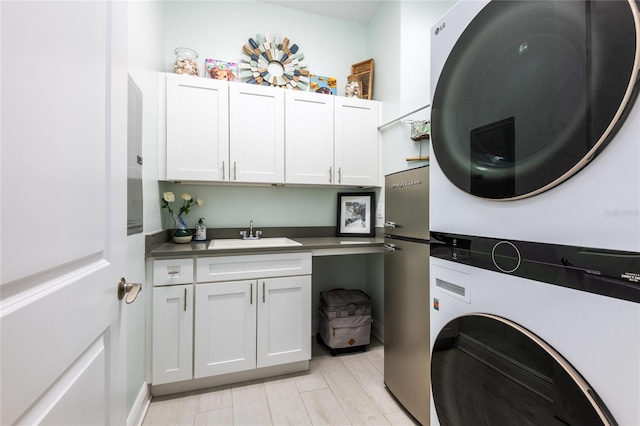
<point>486,370</point>
<point>531,92</point>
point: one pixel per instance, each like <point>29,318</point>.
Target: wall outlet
<point>380,212</point>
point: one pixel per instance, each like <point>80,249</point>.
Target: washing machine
<point>535,213</point>
<point>522,334</point>
<point>535,123</point>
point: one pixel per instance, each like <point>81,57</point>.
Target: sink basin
<point>237,243</point>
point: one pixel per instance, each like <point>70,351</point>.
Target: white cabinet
<point>261,319</point>
<point>197,125</point>
<point>172,336</point>
<point>219,131</point>
<point>225,333</point>
<point>356,141</point>
<point>309,138</point>
<point>256,132</point>
<point>331,140</point>
<point>241,325</point>
<point>284,320</point>
<point>242,313</point>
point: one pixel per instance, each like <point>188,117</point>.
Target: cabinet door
<point>256,133</point>
<point>225,330</point>
<point>308,137</point>
<point>197,129</point>
<point>284,320</point>
<point>356,142</point>
<point>172,334</point>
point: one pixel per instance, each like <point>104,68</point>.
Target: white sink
<point>237,243</point>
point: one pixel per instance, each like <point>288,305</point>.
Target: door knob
<point>131,290</point>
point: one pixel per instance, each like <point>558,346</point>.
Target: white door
<point>309,137</point>
<point>172,340</point>
<point>284,320</point>
<point>256,133</point>
<point>63,211</point>
<point>197,128</point>
<point>225,328</point>
<point>356,141</point>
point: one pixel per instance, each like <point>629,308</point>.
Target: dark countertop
<point>316,240</point>
<point>319,246</point>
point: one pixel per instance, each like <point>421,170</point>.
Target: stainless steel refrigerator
<point>406,290</point>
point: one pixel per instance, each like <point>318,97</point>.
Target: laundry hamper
<point>345,320</point>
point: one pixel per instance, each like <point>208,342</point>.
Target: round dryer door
<point>488,370</point>
<point>532,91</point>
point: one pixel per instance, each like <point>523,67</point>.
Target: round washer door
<point>489,370</point>
<point>532,91</point>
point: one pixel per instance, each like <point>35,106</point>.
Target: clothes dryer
<point>535,125</point>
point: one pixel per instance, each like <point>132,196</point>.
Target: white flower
<point>169,197</point>
<point>188,202</point>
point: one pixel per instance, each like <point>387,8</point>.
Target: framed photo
<point>356,214</point>
<point>321,84</point>
<point>221,70</point>
<point>363,72</point>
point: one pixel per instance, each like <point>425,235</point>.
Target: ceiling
<point>360,11</point>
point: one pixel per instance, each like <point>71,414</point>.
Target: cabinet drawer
<point>172,271</point>
<point>229,268</point>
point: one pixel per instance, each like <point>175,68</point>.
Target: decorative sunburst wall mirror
<point>270,61</point>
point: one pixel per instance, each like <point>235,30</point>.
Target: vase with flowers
<point>181,233</point>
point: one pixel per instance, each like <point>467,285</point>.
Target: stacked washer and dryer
<point>535,213</point>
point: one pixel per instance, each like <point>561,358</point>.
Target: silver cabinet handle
<point>131,290</point>
<point>185,300</point>
<point>389,247</point>
<point>390,225</point>
<point>330,174</point>
<point>223,171</point>
<point>263,292</point>
<point>251,295</point>
<point>339,174</point>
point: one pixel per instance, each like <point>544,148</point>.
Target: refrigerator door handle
<point>389,247</point>
<point>390,225</point>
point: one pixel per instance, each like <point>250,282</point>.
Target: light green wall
<point>144,61</point>
<point>218,29</point>
<point>267,206</point>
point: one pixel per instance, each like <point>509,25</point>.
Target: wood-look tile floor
<point>341,390</point>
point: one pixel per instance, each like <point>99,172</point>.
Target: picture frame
<point>356,214</point>
<point>363,72</point>
<point>221,70</point>
<point>322,84</point>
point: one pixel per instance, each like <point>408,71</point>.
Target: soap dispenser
<point>201,231</point>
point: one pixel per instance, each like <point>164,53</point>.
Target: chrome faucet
<point>250,236</point>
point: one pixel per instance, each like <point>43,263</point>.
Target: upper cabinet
<point>355,141</point>
<point>218,131</point>
<point>197,129</point>
<point>331,140</point>
<point>256,133</point>
<point>309,135</point>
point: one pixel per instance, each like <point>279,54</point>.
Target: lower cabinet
<point>241,313</point>
<point>172,334</point>
<point>240,325</point>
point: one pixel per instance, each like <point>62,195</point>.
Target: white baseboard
<point>230,378</point>
<point>140,406</point>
